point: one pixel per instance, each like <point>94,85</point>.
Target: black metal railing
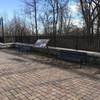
<point>72,42</point>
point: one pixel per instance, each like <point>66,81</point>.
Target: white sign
<point>41,43</point>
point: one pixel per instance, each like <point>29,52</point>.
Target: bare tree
<point>33,6</point>
<point>30,19</point>
<point>90,12</point>
<point>63,15</point>
<point>97,3</point>
<point>45,22</point>
<point>18,27</point>
<point>54,9</point>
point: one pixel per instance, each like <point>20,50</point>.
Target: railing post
<point>2,25</point>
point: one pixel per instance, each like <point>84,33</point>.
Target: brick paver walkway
<point>26,79</point>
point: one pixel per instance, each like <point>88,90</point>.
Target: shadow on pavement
<point>85,71</point>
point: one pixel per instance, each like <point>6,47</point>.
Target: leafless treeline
<point>53,17</point>
<point>91,15</point>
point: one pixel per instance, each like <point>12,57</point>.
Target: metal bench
<point>23,48</point>
<point>40,44</point>
<point>72,56</point>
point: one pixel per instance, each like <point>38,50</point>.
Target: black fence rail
<point>72,42</point>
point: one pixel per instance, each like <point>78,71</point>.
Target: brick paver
<point>22,78</point>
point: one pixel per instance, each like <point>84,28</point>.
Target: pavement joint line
<point>54,82</point>
<point>86,75</point>
<point>24,71</point>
